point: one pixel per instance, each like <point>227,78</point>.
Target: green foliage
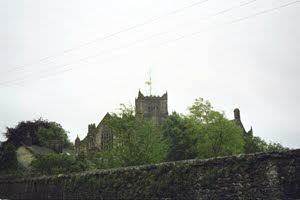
<point>206,133</point>
<point>18,134</point>
<point>180,132</point>
<point>273,146</point>
<point>220,138</point>
<point>217,135</point>
<point>136,141</point>
<point>255,144</point>
<point>54,131</point>
<point>203,133</point>
<point>8,158</point>
<point>40,131</point>
<point>201,110</point>
<point>60,164</point>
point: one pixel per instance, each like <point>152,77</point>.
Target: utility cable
<point>198,32</point>
<point>149,21</point>
<point>130,44</point>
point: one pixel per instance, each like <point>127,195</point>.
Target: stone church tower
<point>101,137</point>
<point>152,107</point>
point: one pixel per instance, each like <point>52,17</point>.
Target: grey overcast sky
<point>54,64</point>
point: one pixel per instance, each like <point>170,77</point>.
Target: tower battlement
<point>152,107</point>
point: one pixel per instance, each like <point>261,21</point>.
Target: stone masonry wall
<point>253,176</point>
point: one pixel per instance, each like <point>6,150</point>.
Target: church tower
<point>152,107</point>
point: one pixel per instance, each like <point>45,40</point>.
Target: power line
<point>133,43</point>
<point>265,11</point>
<point>97,55</point>
<point>234,21</point>
<point>231,8</point>
<point>149,21</point>
<point>192,34</point>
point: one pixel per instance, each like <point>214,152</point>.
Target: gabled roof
<point>106,117</point>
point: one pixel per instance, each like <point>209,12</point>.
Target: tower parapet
<point>152,107</point>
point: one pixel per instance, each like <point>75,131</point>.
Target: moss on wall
<point>258,176</point>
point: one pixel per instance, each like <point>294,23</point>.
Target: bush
<point>60,164</point>
<point>8,157</point>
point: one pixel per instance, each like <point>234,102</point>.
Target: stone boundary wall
<point>251,176</point>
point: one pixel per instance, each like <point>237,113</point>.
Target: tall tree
<point>218,136</point>
<point>53,132</point>
<point>181,134</point>
<point>19,134</point>
<point>40,132</point>
<point>136,141</point>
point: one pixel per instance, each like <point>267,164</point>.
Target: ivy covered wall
<point>253,176</point>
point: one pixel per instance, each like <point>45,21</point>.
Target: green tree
<point>181,133</point>
<point>54,131</point>
<point>19,133</point>
<point>40,132</point>
<point>202,111</point>
<point>137,141</point>
<point>273,146</point>
<point>218,136</point>
<point>255,144</point>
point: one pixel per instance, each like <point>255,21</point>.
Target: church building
<point>100,137</point>
<point>151,107</point>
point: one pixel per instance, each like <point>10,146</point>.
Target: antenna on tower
<point>149,83</point>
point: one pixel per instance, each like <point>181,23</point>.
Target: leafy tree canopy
<point>181,133</point>
<point>40,131</point>
<point>217,136</point>
<point>255,144</point>
<point>53,132</point>
<point>18,134</point>
<point>137,141</point>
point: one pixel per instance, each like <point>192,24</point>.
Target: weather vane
<point>149,83</point>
